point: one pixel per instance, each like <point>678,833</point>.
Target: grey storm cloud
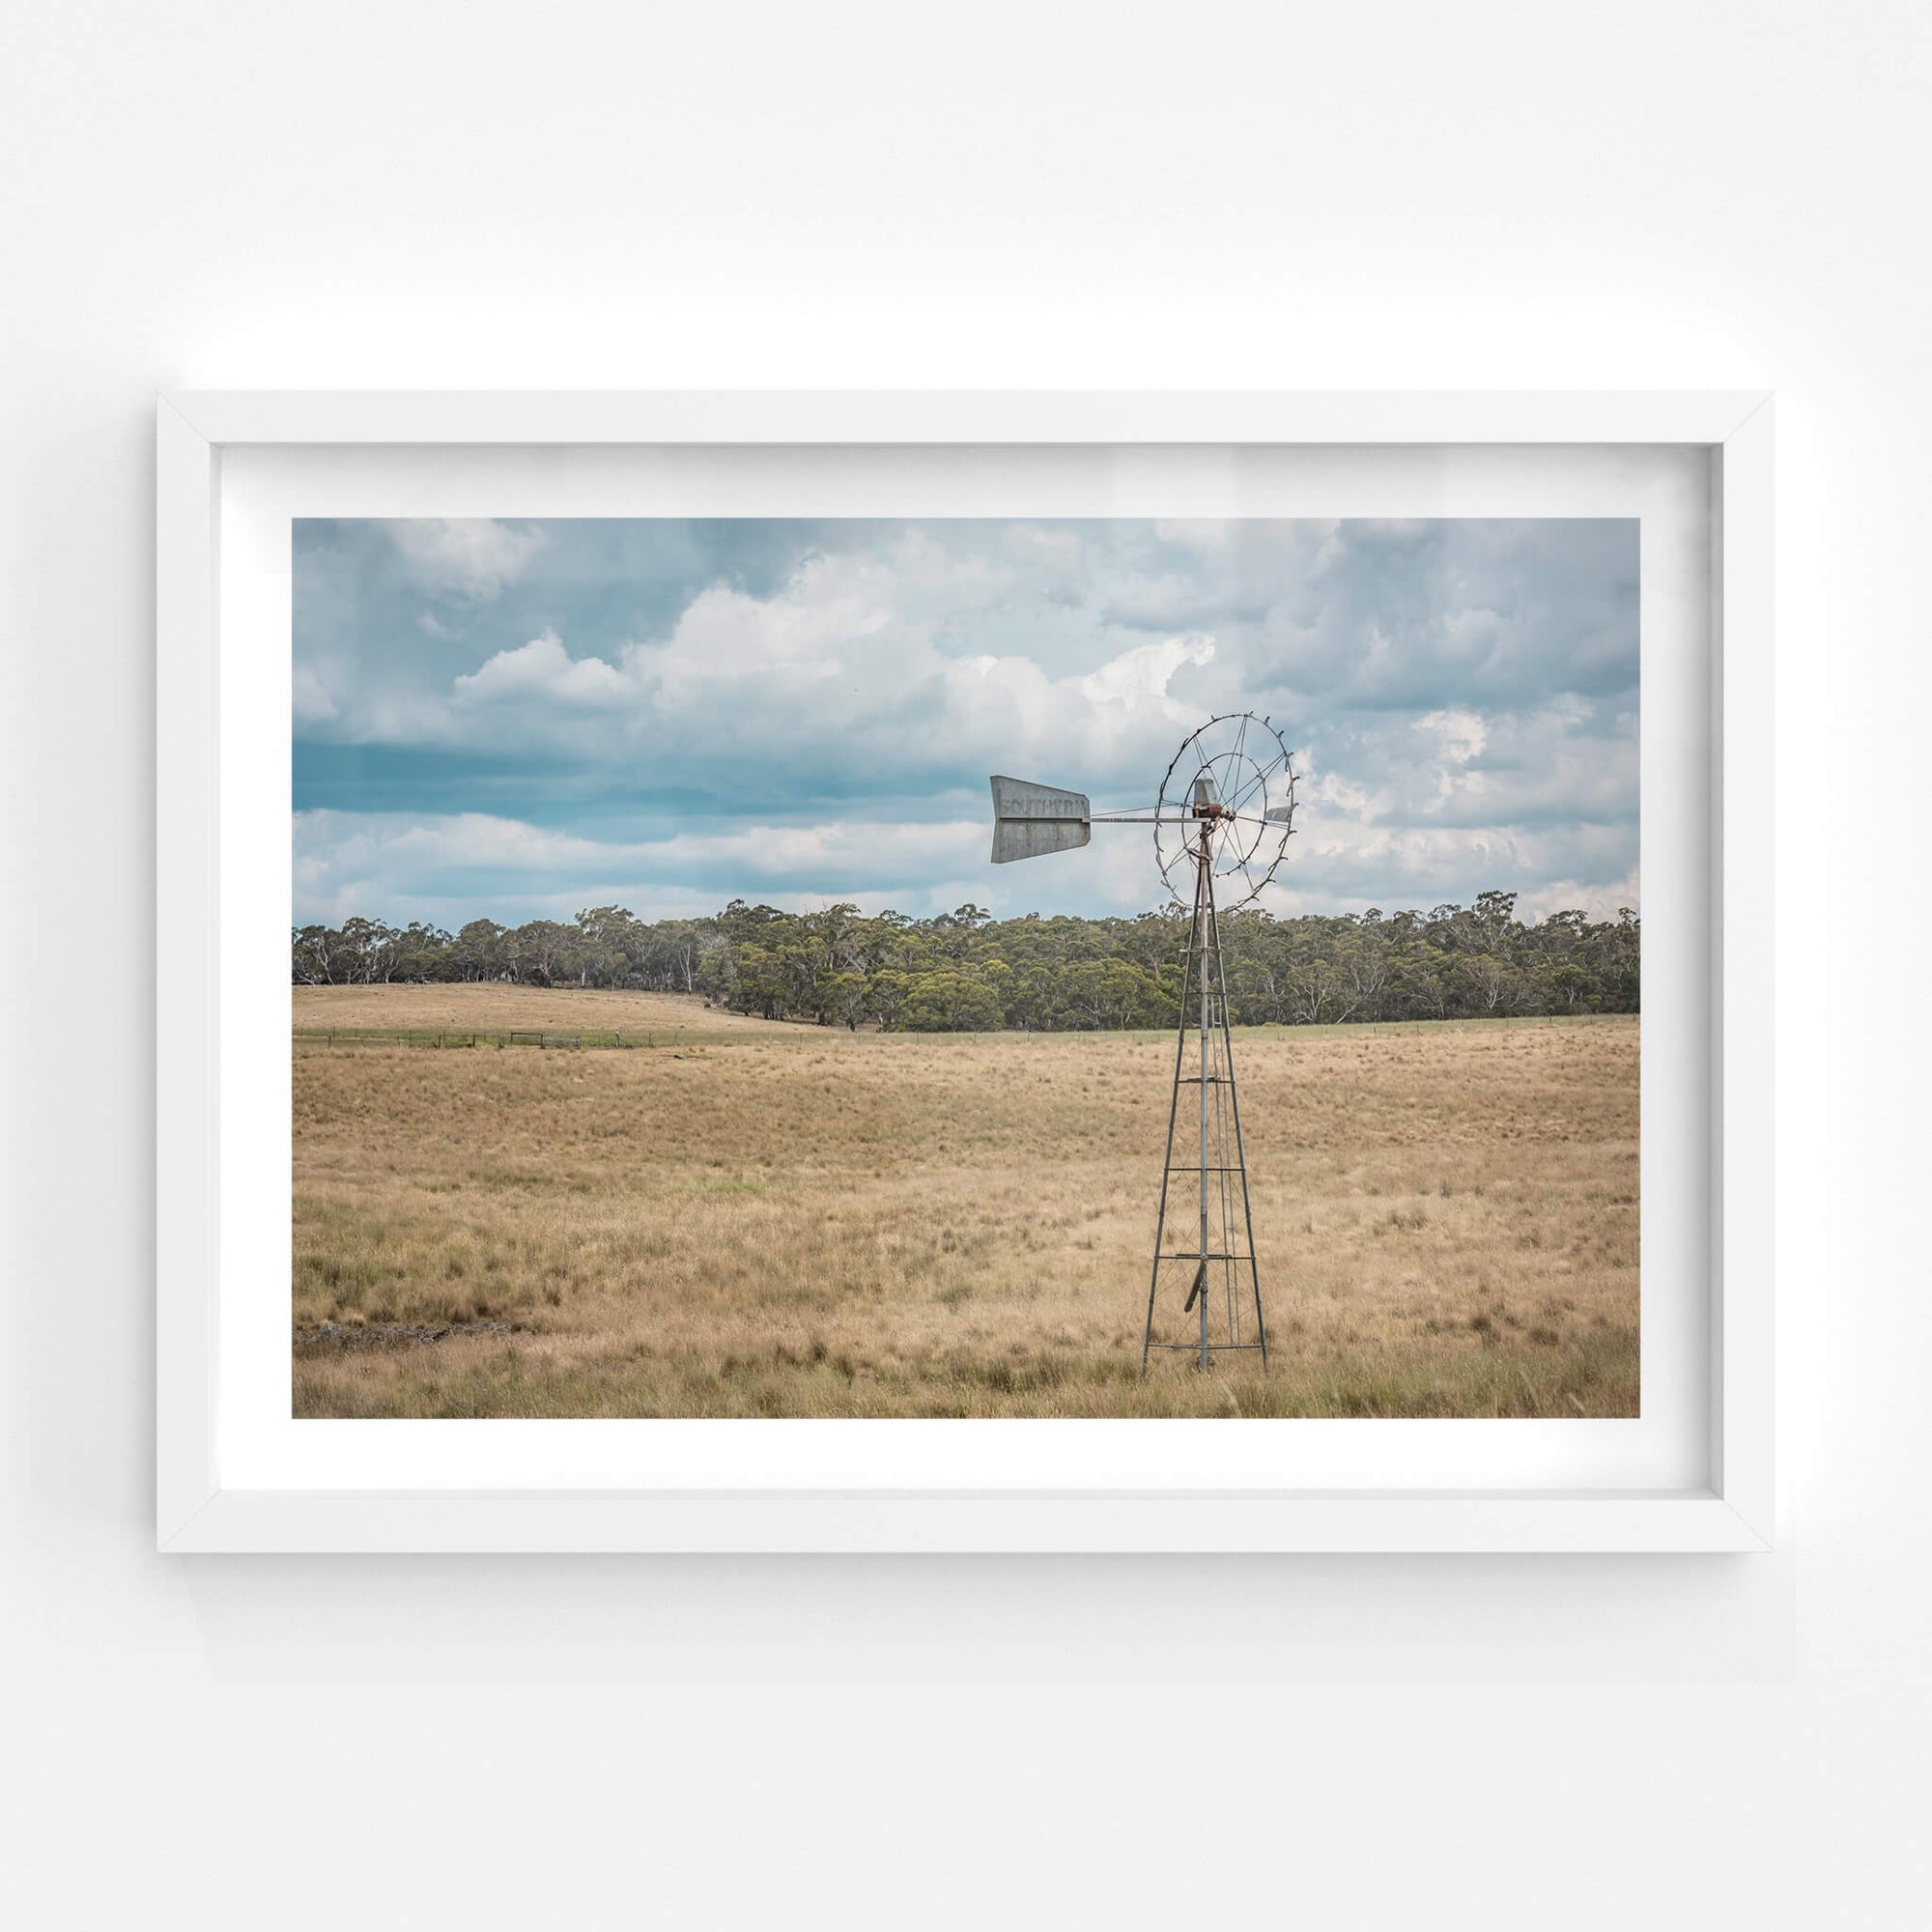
<point>505,716</point>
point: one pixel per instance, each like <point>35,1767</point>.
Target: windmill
<point>1221,824</point>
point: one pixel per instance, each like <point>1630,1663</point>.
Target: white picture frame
<point>197,1510</point>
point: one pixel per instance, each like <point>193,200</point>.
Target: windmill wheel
<point>1232,783</point>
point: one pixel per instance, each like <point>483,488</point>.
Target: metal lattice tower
<point>1225,813</point>
<point>1219,1265</point>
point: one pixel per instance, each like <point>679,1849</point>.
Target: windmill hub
<point>1226,809</point>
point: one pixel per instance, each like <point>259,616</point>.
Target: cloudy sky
<point>520,720</point>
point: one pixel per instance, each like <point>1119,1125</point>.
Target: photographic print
<point>966,968</point>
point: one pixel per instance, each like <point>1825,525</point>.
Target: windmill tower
<point>1222,822</point>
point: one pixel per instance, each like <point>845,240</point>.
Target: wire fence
<point>573,1042</point>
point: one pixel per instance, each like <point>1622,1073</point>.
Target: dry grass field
<point>764,1219</point>
<point>493,1009</point>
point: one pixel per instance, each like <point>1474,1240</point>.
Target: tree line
<point>965,971</point>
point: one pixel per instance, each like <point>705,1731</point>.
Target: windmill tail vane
<point>1222,822</point>
<point>1031,820</point>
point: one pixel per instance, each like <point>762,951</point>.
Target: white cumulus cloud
<point>543,669</point>
<point>469,558</point>
<point>310,699</point>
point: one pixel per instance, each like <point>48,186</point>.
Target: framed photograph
<point>964,972</point>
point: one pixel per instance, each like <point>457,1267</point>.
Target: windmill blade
<point>1031,820</point>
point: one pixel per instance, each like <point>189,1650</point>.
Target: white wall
<point>1119,194</point>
